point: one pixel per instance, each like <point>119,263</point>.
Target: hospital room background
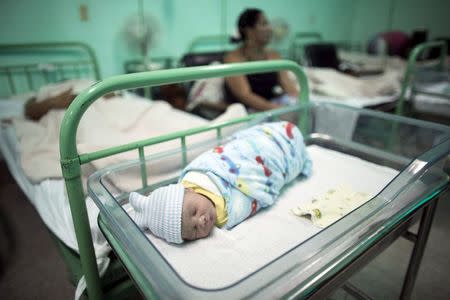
<point>30,261</point>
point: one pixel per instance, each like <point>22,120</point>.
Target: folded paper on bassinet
<point>326,209</point>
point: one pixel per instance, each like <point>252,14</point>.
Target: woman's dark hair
<point>248,18</point>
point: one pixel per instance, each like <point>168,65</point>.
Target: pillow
<point>206,90</point>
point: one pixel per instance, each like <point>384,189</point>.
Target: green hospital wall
<point>372,17</point>
<point>180,21</point>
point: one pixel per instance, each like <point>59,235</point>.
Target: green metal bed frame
<point>34,76</point>
<point>220,40</point>
<point>44,68</point>
<point>298,42</point>
<point>71,160</point>
<point>411,68</point>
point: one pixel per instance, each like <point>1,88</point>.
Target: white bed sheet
<point>433,104</point>
<point>49,198</point>
<point>227,256</point>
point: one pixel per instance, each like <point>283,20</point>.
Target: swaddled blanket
<point>252,168</point>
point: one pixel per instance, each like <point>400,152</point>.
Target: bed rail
<point>412,60</point>
<point>298,42</point>
<point>71,160</point>
<point>222,42</point>
<point>26,67</point>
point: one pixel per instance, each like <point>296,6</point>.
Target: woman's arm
<point>35,110</point>
<point>240,87</point>
<point>287,84</point>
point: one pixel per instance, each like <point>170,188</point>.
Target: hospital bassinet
<point>415,153</point>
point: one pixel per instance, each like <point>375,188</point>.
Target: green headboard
<point>26,67</point>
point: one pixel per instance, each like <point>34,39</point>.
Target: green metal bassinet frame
<point>46,63</point>
<point>412,66</point>
<point>71,160</point>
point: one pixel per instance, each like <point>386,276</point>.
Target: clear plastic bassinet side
<point>418,150</point>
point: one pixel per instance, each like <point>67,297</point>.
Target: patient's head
<point>198,216</point>
<point>254,27</point>
<point>174,213</point>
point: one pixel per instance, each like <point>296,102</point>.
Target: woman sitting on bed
<point>225,185</point>
<point>257,91</point>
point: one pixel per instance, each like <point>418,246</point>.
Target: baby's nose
<point>203,220</point>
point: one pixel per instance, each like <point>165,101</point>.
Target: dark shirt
<point>261,84</point>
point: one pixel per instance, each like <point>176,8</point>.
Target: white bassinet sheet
<point>227,256</point>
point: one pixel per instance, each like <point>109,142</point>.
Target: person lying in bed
<point>257,91</point>
<point>225,185</point>
<point>56,96</point>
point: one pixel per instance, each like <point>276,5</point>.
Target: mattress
<point>431,103</point>
<point>226,257</point>
<point>49,197</point>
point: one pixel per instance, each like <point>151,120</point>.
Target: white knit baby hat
<point>160,211</point>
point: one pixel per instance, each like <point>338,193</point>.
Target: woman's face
<point>261,33</point>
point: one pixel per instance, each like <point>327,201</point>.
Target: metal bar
<point>219,135</point>
<point>45,76</point>
<point>12,87</point>
<point>54,46</point>
<point>36,65</point>
<point>88,157</point>
<point>83,233</point>
<point>29,79</point>
<point>412,237</point>
<point>143,167</point>
<point>419,248</point>
<point>183,151</point>
<point>355,292</point>
<point>76,71</point>
<point>60,68</point>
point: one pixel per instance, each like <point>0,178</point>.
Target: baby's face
<point>198,216</point>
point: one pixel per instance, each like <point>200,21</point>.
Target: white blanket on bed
<point>329,82</point>
<point>105,124</point>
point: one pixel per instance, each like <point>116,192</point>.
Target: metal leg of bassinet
<point>355,292</point>
<point>419,248</point>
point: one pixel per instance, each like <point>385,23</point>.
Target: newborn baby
<point>225,185</point>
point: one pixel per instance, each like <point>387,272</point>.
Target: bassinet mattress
<point>228,256</point>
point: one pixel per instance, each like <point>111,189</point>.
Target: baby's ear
<point>137,201</point>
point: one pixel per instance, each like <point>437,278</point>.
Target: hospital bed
<point>24,69</point>
<point>404,180</point>
<point>298,42</point>
<point>21,139</point>
<point>428,84</point>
